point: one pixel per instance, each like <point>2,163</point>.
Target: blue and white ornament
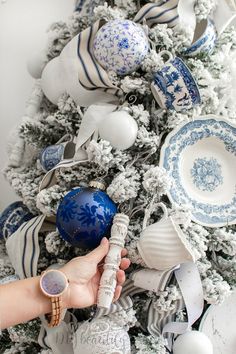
<point>51,156</point>
<point>12,218</point>
<point>85,216</point>
<point>121,46</point>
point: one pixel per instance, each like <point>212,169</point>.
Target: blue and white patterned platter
<point>200,157</point>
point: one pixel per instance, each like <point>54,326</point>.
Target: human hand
<point>84,274</point>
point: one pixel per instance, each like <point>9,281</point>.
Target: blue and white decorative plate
<point>200,157</point>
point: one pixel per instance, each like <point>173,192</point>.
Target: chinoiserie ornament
<point>100,336</point>
<point>121,46</point>
<point>53,154</point>
<point>112,261</point>
<point>36,64</point>
<point>85,216</point>
<point>120,129</point>
<point>193,342</point>
<point>52,81</point>
<point>12,218</point>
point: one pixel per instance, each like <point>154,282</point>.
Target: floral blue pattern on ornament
<point>121,46</point>
<point>51,156</point>
<point>207,174</point>
<point>206,43</point>
<point>12,218</point>
<point>85,216</point>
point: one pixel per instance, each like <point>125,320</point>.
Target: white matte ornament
<point>53,81</point>
<point>36,64</point>
<point>193,342</point>
<point>120,129</point>
<point>100,336</point>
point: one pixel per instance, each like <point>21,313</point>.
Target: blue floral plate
<point>200,157</point>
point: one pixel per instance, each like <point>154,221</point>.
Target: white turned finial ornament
<point>193,342</point>
<point>112,262</point>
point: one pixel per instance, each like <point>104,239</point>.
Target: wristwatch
<point>54,283</point>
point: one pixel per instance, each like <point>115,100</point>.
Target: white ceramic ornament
<point>36,64</point>
<point>108,280</point>
<point>163,245</point>
<point>219,323</point>
<point>121,46</point>
<point>69,64</point>
<point>52,81</point>
<point>101,336</point>
<point>193,342</point>
<point>120,129</point>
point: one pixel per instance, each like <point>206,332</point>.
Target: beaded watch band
<point>54,318</point>
<point>53,284</point>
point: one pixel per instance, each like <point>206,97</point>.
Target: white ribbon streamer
<point>90,122</point>
<point>190,284</point>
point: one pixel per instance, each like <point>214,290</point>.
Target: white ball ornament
<point>193,342</point>
<point>120,129</point>
<point>36,64</point>
<point>120,46</point>
<point>52,81</point>
<point>100,336</point>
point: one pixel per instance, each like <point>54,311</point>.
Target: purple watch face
<point>53,283</point>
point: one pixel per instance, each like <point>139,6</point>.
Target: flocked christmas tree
<point>109,111</point>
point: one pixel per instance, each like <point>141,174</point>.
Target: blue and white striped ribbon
<point>90,73</point>
<point>23,250</point>
<point>23,247</point>
<point>131,289</point>
<point>124,303</point>
<point>49,179</point>
<point>165,12</point>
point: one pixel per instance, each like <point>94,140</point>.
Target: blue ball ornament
<point>85,216</point>
<point>12,218</point>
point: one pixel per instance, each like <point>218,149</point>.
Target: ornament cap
<point>98,184</point>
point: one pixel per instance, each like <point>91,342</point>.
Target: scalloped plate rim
<point>162,155</point>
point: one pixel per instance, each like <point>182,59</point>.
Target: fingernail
<point>104,241</point>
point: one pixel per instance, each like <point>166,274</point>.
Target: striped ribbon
<point>23,250</point>
<point>188,279</point>
<point>50,178</point>
<point>132,288</point>
<point>124,303</point>
<point>23,247</point>
<point>91,75</point>
<point>165,12</point>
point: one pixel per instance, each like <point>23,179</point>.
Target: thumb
<point>100,252</point>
